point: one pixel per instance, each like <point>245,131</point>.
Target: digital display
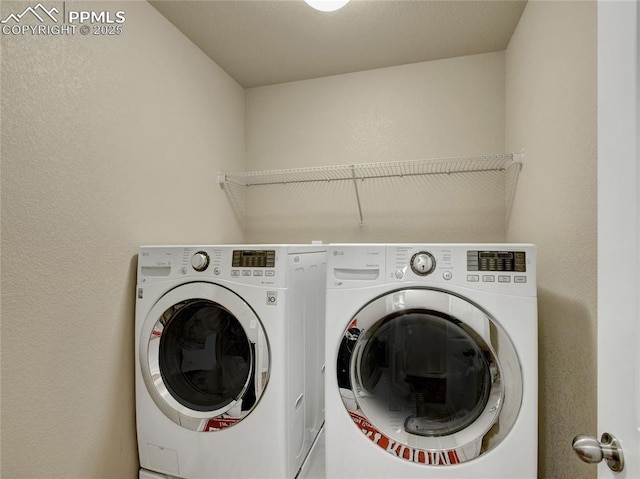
<point>253,259</point>
<point>515,261</point>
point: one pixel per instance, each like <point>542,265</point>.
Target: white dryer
<point>229,364</point>
<point>432,363</point>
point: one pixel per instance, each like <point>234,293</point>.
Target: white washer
<point>229,359</point>
<point>432,362</point>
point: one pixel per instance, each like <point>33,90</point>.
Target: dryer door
<point>429,376</point>
<point>204,356</point>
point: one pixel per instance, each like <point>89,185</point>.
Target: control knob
<point>423,263</point>
<point>200,261</point>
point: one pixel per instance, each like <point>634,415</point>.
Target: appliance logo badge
<point>272,298</point>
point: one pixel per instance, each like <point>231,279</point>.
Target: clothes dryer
<point>432,360</point>
<point>228,359</point>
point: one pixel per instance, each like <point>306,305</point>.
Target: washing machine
<point>229,359</point>
<point>431,354</point>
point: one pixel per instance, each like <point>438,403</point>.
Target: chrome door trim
<point>149,348</point>
<point>505,397</point>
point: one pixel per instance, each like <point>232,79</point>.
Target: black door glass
<point>344,357</point>
<point>426,365</point>
<point>205,356</point>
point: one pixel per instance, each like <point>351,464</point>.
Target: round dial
<point>423,263</point>
<point>200,261</point>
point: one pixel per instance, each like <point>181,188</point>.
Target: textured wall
<point>551,112</point>
<point>107,143</point>
<point>112,142</point>
<point>445,108</point>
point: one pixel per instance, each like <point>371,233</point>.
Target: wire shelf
<point>362,171</point>
<point>510,163</point>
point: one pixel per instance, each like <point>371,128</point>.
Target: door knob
<point>590,450</point>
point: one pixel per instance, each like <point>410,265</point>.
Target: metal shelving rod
<point>355,186</point>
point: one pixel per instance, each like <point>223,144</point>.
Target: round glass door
<point>204,357</point>
<point>420,373</point>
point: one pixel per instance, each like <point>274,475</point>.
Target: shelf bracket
<point>222,179</point>
<point>355,186</point>
<point>518,158</point>
<point>511,181</point>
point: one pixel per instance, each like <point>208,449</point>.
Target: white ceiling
<point>264,42</point>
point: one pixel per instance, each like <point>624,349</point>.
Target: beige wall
<point>107,143</point>
<point>438,109</point>
<point>551,110</point>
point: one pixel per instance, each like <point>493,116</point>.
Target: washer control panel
<point>247,265</point>
<point>239,264</point>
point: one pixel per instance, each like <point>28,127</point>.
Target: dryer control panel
<point>506,268</point>
<point>499,261</point>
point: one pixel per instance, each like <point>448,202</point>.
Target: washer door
<point>204,356</point>
<point>429,377</point>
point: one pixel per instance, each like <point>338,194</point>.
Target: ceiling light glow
<point>327,5</point>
